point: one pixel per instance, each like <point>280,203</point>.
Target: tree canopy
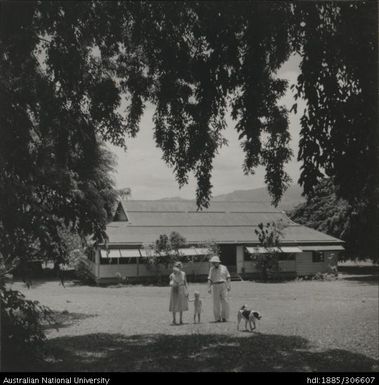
<point>326,212</point>
<point>167,248</point>
<point>67,67</point>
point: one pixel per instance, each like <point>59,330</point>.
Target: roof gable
<point>120,214</point>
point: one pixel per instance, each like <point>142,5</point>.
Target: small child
<point>197,302</point>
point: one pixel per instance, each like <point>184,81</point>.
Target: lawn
<point>306,326</point>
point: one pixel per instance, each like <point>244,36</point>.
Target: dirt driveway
<point>306,326</point>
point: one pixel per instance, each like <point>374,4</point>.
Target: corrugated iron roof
<point>222,222</point>
<point>204,218</point>
<point>179,206</point>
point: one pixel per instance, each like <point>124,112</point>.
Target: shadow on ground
<point>368,275</point>
<point>197,352</point>
<point>68,282</point>
<point>63,319</point>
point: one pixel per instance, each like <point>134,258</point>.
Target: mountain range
<point>291,198</point>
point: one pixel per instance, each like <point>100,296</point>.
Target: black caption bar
<point>52,378</point>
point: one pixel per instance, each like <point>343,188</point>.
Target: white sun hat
<point>215,258</point>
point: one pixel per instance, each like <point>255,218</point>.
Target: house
<point>138,224</point>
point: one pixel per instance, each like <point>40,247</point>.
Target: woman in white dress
<point>179,293</point>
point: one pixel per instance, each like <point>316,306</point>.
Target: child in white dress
<point>197,303</point>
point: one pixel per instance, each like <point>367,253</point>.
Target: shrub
<point>269,236</point>
<point>324,277</point>
<point>22,327</point>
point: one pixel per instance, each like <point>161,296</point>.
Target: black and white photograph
<point>189,186</point>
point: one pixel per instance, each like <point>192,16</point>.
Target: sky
<point>142,169</point>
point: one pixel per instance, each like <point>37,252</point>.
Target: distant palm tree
<point>125,193</point>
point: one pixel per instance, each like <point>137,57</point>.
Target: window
<point>199,258</point>
<point>108,261</point>
<point>247,256</point>
<point>287,256</point>
<point>253,257</point>
<point>127,260</point>
<point>318,256</point>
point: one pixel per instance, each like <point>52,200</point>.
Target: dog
<point>248,315</point>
